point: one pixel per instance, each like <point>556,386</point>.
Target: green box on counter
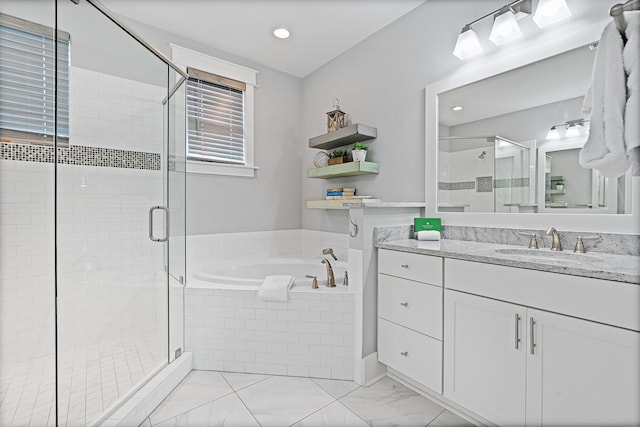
<point>422,224</point>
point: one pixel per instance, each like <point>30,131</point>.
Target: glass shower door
<point>112,279</point>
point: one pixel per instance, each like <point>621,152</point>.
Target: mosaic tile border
<point>82,156</point>
<point>484,184</point>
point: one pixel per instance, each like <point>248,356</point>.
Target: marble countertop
<point>619,268</point>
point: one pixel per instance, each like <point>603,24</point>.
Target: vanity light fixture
<point>551,11</point>
<point>467,44</point>
<point>281,33</point>
<point>505,24</point>
<point>505,27</point>
<point>571,128</point>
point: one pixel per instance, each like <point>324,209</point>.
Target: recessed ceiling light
<point>457,107</point>
<point>281,33</point>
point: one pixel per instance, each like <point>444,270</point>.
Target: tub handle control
<point>404,353</point>
<point>404,304</point>
<point>314,284</point>
<point>404,265</point>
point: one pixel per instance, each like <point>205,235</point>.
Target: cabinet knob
<point>404,265</point>
<point>404,353</point>
<point>404,304</point>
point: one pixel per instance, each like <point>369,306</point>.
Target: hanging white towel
<point>275,288</point>
<point>605,148</point>
<point>428,235</point>
<point>631,59</point>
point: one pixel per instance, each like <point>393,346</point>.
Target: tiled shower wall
<point>205,249</point>
<point>101,211</point>
<point>470,179</point>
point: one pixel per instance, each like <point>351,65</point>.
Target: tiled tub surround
<point>620,244</point>
<point>311,335</point>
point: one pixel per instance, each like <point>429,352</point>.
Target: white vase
<point>359,155</point>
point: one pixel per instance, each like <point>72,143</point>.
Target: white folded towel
<point>275,288</point>
<point>605,148</point>
<point>631,59</point>
<point>428,235</point>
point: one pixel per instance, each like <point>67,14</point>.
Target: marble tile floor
<point>210,398</point>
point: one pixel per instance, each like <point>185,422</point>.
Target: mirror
<point>495,149</point>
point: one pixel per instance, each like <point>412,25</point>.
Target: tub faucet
<point>555,239</point>
<point>329,251</point>
<point>331,281</point>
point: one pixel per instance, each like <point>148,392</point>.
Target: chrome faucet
<point>329,251</point>
<point>555,239</point>
<point>331,280</point>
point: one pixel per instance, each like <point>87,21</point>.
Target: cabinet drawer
<point>416,305</point>
<point>410,353</point>
<point>423,268</point>
<point>604,301</point>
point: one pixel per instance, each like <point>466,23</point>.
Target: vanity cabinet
<point>410,315</point>
<point>518,365</point>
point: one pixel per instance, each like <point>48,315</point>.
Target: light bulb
<point>551,11</point>
<point>467,44</point>
<point>505,28</point>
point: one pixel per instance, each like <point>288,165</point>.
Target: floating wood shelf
<point>344,169</point>
<point>349,135</point>
<point>338,204</point>
<point>556,191</point>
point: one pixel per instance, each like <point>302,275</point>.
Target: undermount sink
<point>550,255</point>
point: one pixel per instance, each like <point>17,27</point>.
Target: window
<point>27,82</point>
<point>215,114</point>
<point>220,98</point>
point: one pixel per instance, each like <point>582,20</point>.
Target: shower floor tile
<point>267,401</point>
<point>91,378</point>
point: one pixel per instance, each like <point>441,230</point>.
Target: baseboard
<point>439,399</point>
<point>371,370</point>
<point>139,406</point>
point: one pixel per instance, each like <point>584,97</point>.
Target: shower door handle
<point>166,226</point>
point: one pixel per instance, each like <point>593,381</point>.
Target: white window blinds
<point>27,82</point>
<point>215,113</point>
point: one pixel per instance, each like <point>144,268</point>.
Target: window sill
<point>221,169</point>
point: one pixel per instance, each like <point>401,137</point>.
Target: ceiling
<point>320,29</point>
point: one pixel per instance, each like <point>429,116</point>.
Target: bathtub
<point>248,275</point>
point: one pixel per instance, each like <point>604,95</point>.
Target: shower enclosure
<point>485,174</point>
<point>92,212</point>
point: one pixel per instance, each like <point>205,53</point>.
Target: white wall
<point>271,200</point>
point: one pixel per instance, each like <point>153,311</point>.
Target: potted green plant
<point>560,185</point>
<point>337,157</point>
<point>359,152</point>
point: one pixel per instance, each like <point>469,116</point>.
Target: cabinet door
<point>581,372</point>
<point>484,357</point>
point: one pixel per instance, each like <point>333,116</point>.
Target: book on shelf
<point>341,193</point>
<point>337,189</point>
